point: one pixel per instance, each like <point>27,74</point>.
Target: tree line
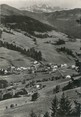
<point>66,50</point>
<point>26,24</point>
<point>37,55</point>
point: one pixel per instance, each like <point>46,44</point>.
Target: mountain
<point>16,19</point>
<point>42,8</point>
<point>64,21</point>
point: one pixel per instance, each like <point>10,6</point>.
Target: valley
<point>37,63</point>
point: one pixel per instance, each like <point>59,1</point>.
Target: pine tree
<point>64,106</point>
<point>54,107</point>
<point>0,33</point>
<point>77,109</point>
<point>46,114</point>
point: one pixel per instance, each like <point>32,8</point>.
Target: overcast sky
<point>61,3</point>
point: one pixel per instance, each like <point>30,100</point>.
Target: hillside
<point>39,62</point>
<point>8,10</point>
<point>64,21</point>
<point>9,57</point>
<point>22,31</point>
<point>15,19</point>
<point>49,52</point>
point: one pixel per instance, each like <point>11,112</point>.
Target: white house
<point>35,62</point>
<point>73,66</point>
<point>5,72</point>
<point>68,77</point>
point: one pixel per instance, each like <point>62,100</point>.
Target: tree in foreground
<point>54,107</point>
<point>64,106</point>
<point>77,109</point>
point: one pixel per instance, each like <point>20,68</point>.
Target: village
<point>31,86</point>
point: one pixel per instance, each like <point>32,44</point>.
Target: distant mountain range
<point>42,8</point>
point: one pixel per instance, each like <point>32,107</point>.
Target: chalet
<point>68,77</point>
<point>38,86</point>
<point>73,66</point>
<point>12,68</point>
<point>23,68</point>
<point>18,69</point>
<point>35,62</point>
<point>54,70</point>
<point>64,65</point>
<point>5,72</point>
<point>55,67</point>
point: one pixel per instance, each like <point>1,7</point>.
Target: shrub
<point>12,106</point>
<point>56,89</point>
<point>7,96</point>
<point>60,42</point>
<point>35,96</point>
<point>66,50</point>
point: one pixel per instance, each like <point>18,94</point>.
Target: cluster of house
<point>51,68</point>
<point>12,70</point>
<point>37,67</point>
<point>40,67</point>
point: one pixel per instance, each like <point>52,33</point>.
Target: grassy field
<point>9,57</point>
<point>48,50</point>
<point>24,105</point>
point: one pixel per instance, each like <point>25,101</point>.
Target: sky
<point>61,3</point>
